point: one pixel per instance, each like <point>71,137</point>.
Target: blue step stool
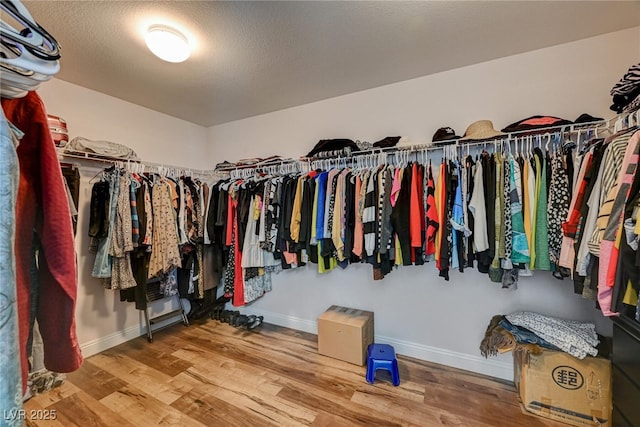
<point>382,356</point>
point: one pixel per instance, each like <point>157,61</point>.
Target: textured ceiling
<point>251,58</point>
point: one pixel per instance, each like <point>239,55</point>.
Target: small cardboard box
<point>345,333</point>
<point>559,386</point>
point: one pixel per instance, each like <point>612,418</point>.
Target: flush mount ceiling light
<point>167,43</point>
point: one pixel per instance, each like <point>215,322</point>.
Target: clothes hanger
<point>33,37</point>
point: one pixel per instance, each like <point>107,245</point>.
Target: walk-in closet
<point>372,213</point>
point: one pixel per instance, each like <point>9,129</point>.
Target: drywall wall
<point>102,319</point>
<point>154,136</point>
<point>420,313</point>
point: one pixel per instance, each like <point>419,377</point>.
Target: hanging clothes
<point>540,234</point>
<point>432,215</point>
<point>610,245</point>
<point>165,254</point>
<point>11,390</point>
<point>42,207</point>
<point>519,247</point>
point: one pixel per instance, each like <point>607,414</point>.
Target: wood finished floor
<point>215,375</point>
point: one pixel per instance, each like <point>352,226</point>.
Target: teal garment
<point>10,369</point>
<point>520,247</point>
<point>543,261</point>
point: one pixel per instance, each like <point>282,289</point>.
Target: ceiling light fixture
<point>167,43</point>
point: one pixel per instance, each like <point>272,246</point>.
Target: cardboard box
<point>345,333</point>
<point>559,386</point>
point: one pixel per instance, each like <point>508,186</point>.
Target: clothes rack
<point>380,155</point>
<point>154,294</point>
<point>140,166</point>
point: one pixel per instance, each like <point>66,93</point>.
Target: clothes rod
<point>62,155</point>
<point>453,144</point>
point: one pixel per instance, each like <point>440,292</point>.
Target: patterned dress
<point>165,254</point>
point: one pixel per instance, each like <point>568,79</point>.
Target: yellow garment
<point>525,207</point>
<point>257,204</point>
<point>398,251</point>
<point>637,228</point>
<point>603,219</point>
<point>333,263</point>
<point>296,214</point>
<point>630,295</point>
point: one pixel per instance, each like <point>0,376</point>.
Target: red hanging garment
<point>42,206</point>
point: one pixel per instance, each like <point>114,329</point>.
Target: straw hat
<point>482,129</point>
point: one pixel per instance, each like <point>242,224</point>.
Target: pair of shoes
<point>255,322</point>
<point>233,317</point>
<point>226,316</point>
<point>241,321</point>
<point>216,311</point>
<point>195,308</point>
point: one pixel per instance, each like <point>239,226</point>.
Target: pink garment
<point>610,247</point>
<point>395,188</point>
<point>290,257</point>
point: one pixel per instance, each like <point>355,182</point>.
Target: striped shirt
<point>369,215</point>
<point>611,164</point>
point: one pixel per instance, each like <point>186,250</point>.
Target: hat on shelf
<point>406,142</point>
<point>632,106</point>
<point>482,129</point>
<point>625,93</point>
<point>536,122</point>
<point>587,118</point>
<point>445,136</point>
<point>629,82</point>
<point>389,141</point>
<point>337,144</point>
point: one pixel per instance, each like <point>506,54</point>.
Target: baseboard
<point>454,359</point>
<point>104,343</point>
<point>292,322</point>
<point>468,362</point>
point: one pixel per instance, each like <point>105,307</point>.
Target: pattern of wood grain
<point>212,374</point>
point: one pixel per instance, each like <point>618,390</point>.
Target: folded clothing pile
<point>533,332</point>
<point>579,339</point>
<point>626,93</point>
<point>101,148</point>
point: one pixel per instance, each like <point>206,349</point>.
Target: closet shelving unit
<point>450,148</point>
<point>153,286</point>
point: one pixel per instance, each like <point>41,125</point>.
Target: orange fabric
<point>538,121</point>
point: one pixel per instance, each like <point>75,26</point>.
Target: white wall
<point>154,136</point>
<point>419,313</point>
<point>102,320</point>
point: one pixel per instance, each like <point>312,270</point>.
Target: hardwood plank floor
<point>213,374</point>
